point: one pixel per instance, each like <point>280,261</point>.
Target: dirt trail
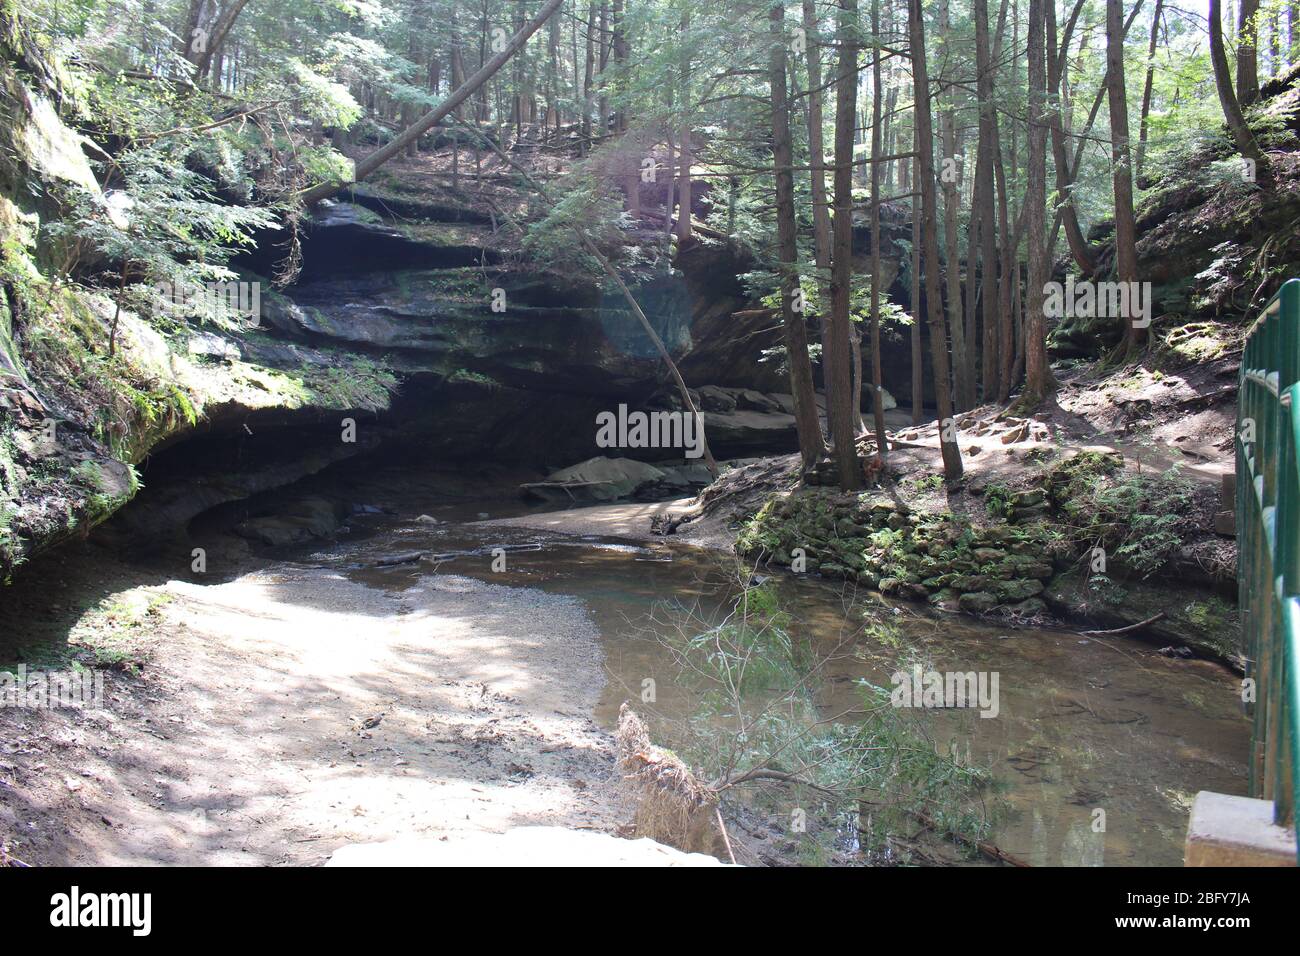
<point>251,736</point>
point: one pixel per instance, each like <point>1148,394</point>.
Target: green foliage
<point>1139,518</point>
<point>997,500</point>
<point>902,770</point>
<point>465,376</point>
<point>586,206</point>
<point>765,286</point>
<point>162,226</point>
<point>325,101</point>
<point>756,689</point>
<point>748,653</point>
<point>357,383</point>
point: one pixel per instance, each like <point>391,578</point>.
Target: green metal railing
<point>1268,546</point>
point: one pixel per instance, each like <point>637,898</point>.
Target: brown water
<point>1084,724</point>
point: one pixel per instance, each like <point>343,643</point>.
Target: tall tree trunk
<point>202,60</point>
<point>1293,32</point>
<point>588,76</point>
<point>918,358</point>
<point>1009,251</point>
<point>1008,283</point>
<point>963,387</point>
<point>995,385</point>
<point>1247,55</point>
<point>1038,374</point>
<point>618,43</point>
<point>551,122</point>
<point>579,90</point>
<point>806,419</point>
<point>605,43</point>
<point>456,57</point>
<point>971,329</point>
<point>1083,137</point>
<point>1241,134</point>
<point>194,36</point>
<point>1147,88</point>
<point>1121,163</point>
<point>892,135</point>
<point>855,376</point>
<point>877,388</point>
<point>821,213</point>
<point>838,379</point>
<point>952,466</point>
<point>408,109</point>
<point>517,100</point>
<point>1056,64</point>
<point>483,109</point>
<point>1274,44</point>
<point>684,180</point>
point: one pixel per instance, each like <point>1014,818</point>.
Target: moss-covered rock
<point>920,556</point>
<point>977,602</point>
<point>1017,590</point>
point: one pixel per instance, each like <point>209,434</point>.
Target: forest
<point>642,432</point>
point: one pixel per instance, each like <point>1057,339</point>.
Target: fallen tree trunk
<point>989,850</point>
<point>612,273</point>
<point>695,226</point>
<point>440,112</point>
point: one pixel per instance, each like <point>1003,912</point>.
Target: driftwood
<point>415,557</point>
<point>409,557</point>
<point>674,806</point>
<point>666,524</point>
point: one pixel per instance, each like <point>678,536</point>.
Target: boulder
<point>1018,590</point>
<point>977,602</point>
<point>596,479</point>
<point>306,519</point>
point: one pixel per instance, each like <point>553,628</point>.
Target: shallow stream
<point>1083,724</point>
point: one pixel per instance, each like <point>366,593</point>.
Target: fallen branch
<point>695,226</point>
<point>762,773</point>
<point>607,267</point>
<point>993,852</point>
<point>722,827</point>
<point>1124,630</point>
<point>412,557</point>
<point>220,121</point>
